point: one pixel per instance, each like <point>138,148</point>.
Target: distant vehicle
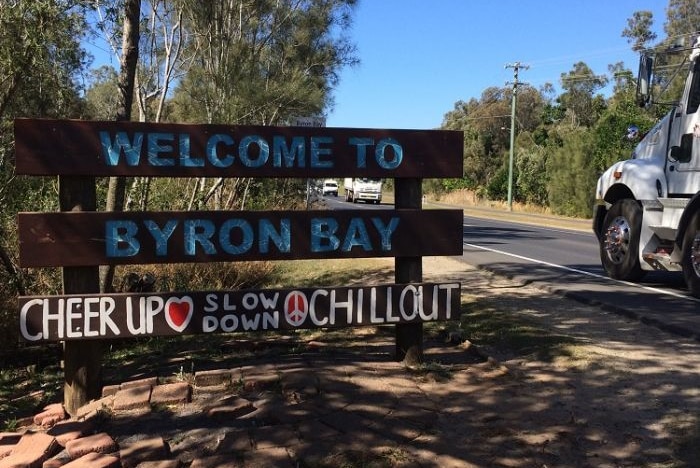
<point>329,187</point>
<point>647,213</point>
<point>369,190</point>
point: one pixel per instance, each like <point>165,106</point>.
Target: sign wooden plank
<point>84,317</point>
<point>73,147</point>
<point>97,238</point>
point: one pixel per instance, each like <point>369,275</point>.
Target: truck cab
<point>647,212</point>
<point>363,189</point>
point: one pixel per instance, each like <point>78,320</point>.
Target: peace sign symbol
<point>296,308</point>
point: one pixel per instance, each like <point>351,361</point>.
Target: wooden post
<point>81,359</point>
<point>409,336</point>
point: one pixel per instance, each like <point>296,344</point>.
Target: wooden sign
<point>83,317</point>
<point>72,147</point>
<point>101,238</point>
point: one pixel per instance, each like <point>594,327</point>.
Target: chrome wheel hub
<point>617,240</point>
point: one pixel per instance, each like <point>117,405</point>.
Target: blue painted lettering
<point>213,150</point>
<point>386,231</point>
<point>356,236</point>
<point>380,151</point>
<point>199,231</point>
<point>246,236</point>
<point>160,143</point>
<point>263,151</point>
<point>323,238</point>
<point>317,151</point>
<point>161,236</point>
<point>186,159</point>
<point>120,240</point>
<point>281,238</point>
<point>362,144</point>
<point>286,156</point>
<point>112,150</point>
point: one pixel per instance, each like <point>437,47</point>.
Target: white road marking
<point>586,273</point>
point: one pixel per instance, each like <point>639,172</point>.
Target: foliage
<point>638,31</point>
<point>41,61</point>
<point>497,188</point>
<point>101,99</point>
<point>609,133</point>
<point>572,176</point>
<point>583,106</point>
<point>203,277</point>
<point>565,140</point>
<point>263,61</point>
<point>532,178</point>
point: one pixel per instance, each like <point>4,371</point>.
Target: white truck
<point>647,211</point>
<point>369,190</point>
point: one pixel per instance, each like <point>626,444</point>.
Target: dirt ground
<point>621,394</point>
<point>592,389</point>
<point>562,385</point>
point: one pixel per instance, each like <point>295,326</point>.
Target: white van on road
<point>330,187</point>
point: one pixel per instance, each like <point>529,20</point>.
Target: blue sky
<point>419,57</point>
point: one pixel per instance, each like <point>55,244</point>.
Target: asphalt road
<point>567,262</point>
<point>537,250</point>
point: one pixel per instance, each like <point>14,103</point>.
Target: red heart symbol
<point>178,312</point>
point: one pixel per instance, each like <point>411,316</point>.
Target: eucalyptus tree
<point>639,31</point>
<point>41,69</point>
<point>261,62</point>
<point>682,19</point>
<point>580,96</point>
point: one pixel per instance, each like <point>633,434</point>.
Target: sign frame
<point>100,148</point>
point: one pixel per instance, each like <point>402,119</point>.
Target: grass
<point>486,325</point>
<point>24,390</point>
<point>308,273</point>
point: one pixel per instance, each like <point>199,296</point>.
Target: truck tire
<point>619,244</point>
<point>691,256</point>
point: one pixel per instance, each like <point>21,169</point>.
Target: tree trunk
<point>127,73</point>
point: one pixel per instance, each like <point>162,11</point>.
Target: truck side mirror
<point>646,64</point>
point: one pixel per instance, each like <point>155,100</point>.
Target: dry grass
<point>470,198</point>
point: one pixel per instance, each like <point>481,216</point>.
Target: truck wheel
<point>691,256</point>
<point>619,246</point>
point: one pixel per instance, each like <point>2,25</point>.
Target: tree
<point>125,96</point>
<point>609,133</point>
<point>264,61</point>
<point>260,62</point>
<point>638,31</point>
<point>41,62</point>
<point>682,20</point>
<point>579,98</point>
<point>40,56</point>
<point>101,101</point>
<point>162,58</point>
<point>531,169</point>
<point>572,175</point>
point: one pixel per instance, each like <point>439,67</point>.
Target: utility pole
<point>516,69</point>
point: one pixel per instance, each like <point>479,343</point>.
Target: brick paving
<point>264,414</point>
